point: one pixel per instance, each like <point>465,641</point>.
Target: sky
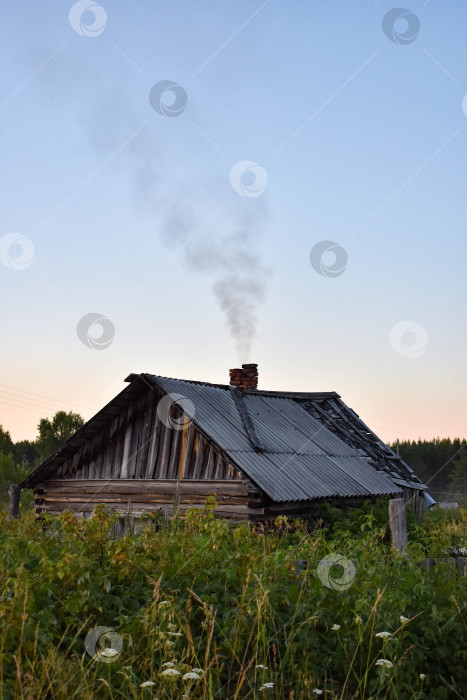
<point>189,186</point>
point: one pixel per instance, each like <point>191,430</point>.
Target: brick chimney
<point>245,377</point>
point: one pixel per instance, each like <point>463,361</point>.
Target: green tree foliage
<point>434,462</point>
<point>12,473</point>
<point>6,443</point>
<point>18,459</point>
<point>25,451</point>
<point>458,480</point>
<point>53,433</point>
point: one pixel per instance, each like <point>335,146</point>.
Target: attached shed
<point>166,444</point>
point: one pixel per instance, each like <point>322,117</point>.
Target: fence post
<point>398,523</point>
<point>14,493</point>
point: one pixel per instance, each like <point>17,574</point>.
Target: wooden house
<point>164,444</point>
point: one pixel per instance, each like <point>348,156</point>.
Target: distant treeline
<point>18,459</point>
<point>440,463</point>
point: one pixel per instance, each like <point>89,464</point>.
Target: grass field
<point>202,608</point>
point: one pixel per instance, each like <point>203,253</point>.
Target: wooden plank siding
<point>140,456</point>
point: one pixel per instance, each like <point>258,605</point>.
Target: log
<point>398,523</point>
<point>137,508</point>
<point>14,493</point>
<point>131,486</point>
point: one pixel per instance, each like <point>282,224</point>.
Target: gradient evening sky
<point>132,214</point>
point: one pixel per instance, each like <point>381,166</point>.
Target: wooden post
<point>15,493</point>
<point>398,523</point>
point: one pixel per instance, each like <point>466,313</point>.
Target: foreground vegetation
<point>204,609</point>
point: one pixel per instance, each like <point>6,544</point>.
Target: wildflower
<point>170,673</point>
<point>261,666</point>
<point>266,686</point>
<point>384,635</point>
<point>317,691</point>
<point>422,676</point>
<point>404,620</point>
<point>168,664</point>
<point>109,652</point>
<point>147,684</point>
<point>163,602</point>
<point>197,670</point>
<point>384,662</point>
<point>175,634</point>
<point>335,627</point>
<point>191,676</point>
<point>358,620</point>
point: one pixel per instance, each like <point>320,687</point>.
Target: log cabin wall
<point>140,457</point>
<point>236,500</point>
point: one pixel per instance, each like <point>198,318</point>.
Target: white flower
<point>261,666</point>
<point>191,676</point>
<point>170,673</point>
<point>175,634</point>
<point>266,686</point>
<point>168,664</point>
<point>317,691</point>
<point>404,620</point>
<point>109,652</point>
<point>163,602</point>
<point>422,676</point>
<point>384,635</point>
<point>358,620</point>
<point>335,628</point>
<point>384,662</point>
<point>197,670</point>
<point>147,684</point>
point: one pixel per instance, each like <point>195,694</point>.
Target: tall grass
<point>229,611</point>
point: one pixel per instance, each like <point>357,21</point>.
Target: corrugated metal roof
<point>301,460</point>
<point>309,445</point>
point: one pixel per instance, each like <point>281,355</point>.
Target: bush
<point>207,609</point>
